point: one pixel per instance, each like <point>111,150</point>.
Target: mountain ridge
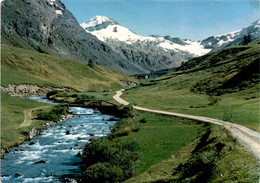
<point>47,26</point>
<point>105,33</point>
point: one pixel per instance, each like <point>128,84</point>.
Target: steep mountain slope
<point>222,85</point>
<point>150,53</point>
<point>19,66</point>
<point>48,27</point>
<point>156,52</point>
<point>233,38</point>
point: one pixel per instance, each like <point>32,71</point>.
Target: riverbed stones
<point>18,175</point>
<point>31,143</point>
<point>41,161</point>
<point>27,90</point>
<point>67,132</point>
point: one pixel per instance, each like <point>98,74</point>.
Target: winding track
<point>27,118</point>
<point>245,136</point>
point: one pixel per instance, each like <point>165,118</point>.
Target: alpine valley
<point>77,106</point>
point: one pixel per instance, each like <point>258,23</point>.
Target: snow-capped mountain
<point>106,29</point>
<point>233,38</point>
<point>151,53</point>
<point>148,53</point>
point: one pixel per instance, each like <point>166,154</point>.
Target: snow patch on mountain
<point>232,38</point>
<point>191,46</point>
<point>106,29</point>
<point>120,33</point>
<point>95,21</point>
<point>58,12</point>
<point>111,32</point>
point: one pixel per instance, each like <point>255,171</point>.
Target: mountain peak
<point>97,23</point>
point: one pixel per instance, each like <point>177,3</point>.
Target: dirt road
<point>245,136</point>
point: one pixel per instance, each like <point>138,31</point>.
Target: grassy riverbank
<point>170,150</point>
<point>17,119</point>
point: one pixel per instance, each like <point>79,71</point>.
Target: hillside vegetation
<point>24,66</point>
<point>14,112</point>
<point>222,85</point>
<point>214,156</point>
<point>19,66</point>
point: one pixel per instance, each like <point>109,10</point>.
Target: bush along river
<point>54,154</point>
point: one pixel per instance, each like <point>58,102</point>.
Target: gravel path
<point>245,136</point>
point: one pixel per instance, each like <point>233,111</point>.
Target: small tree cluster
<point>51,93</point>
<point>91,63</point>
<point>55,114</point>
<point>125,111</point>
<point>109,161</point>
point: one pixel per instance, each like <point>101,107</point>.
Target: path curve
<point>27,118</point>
<point>28,115</point>
<point>245,136</point>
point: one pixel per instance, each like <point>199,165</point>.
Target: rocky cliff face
<point>48,27</point>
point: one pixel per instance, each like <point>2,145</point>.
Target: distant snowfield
<point>106,29</point>
<point>120,33</point>
<point>193,47</point>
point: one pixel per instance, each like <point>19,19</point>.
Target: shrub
<point>62,94</point>
<point>84,96</point>
<point>102,172</point>
<point>74,95</point>
<point>51,93</point>
<point>143,120</point>
<point>55,114</point>
<point>213,100</point>
<point>125,111</point>
<point>101,153</point>
<point>124,127</point>
<point>60,109</point>
<point>91,63</point>
<point>51,116</point>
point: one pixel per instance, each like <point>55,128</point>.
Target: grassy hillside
<point>222,85</point>
<point>20,66</point>
<point>24,66</point>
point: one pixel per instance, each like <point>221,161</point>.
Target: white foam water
<point>53,154</point>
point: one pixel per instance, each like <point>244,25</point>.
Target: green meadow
<point>207,89</point>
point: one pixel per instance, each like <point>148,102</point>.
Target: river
<point>54,153</point>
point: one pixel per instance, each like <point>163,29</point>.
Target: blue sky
<point>186,19</point>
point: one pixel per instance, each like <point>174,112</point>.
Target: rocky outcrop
<point>34,132</point>
<point>26,90</point>
<point>128,84</point>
